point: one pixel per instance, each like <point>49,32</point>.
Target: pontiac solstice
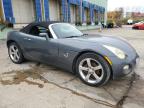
<point>94,58</point>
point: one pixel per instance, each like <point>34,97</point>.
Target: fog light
<point>137,61</point>
<point>126,69</point>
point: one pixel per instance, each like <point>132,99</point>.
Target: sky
<point>135,5</point>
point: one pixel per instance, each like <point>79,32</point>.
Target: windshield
<point>65,30</point>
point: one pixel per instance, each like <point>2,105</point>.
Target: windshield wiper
<point>84,35</point>
<point>72,36</point>
<point>76,36</point>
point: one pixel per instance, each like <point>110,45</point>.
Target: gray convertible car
<point>94,58</point>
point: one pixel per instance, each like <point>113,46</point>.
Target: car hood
<point>138,24</point>
<point>97,42</point>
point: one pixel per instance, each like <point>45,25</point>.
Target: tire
<point>15,53</point>
<point>84,71</point>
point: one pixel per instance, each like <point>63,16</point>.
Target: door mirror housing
<point>45,35</point>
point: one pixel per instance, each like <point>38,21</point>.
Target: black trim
<point>42,24</point>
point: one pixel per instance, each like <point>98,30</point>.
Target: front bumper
<point>122,68</point>
<point>135,27</point>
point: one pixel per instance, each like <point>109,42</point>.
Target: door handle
<point>27,39</point>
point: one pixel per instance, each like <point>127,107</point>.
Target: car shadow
<point>112,92</point>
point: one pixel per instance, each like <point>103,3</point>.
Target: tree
<point>116,16</point>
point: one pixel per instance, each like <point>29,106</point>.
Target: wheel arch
<point>10,41</point>
<point>88,51</point>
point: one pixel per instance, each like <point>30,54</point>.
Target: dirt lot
<point>33,85</point>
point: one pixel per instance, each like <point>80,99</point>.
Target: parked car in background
<point>130,22</point>
<point>110,25</point>
<point>139,25</point>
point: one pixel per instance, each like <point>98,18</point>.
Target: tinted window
<point>36,30</point>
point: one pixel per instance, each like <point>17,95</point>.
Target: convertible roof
<point>43,24</point>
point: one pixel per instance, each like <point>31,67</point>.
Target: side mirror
<point>44,35</point>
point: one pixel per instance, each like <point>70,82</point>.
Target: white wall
<point>23,11</point>
<point>54,10</point>
<point>73,13</point>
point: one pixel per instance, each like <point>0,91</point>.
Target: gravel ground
<point>135,97</point>
<point>5,63</point>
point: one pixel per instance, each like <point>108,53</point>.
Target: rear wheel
<point>15,53</point>
<point>93,69</point>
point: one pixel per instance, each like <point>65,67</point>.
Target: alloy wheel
<point>14,53</point>
<point>91,70</point>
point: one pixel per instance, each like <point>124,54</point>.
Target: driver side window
<point>36,30</point>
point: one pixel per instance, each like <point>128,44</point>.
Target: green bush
<point>78,23</point>
<point>109,21</point>
<point>138,20</point>
<point>119,23</point>
<point>124,21</point>
<point>88,22</point>
<point>96,22</point>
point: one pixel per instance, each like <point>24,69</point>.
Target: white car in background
<point>130,22</point>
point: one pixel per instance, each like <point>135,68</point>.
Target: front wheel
<point>15,53</point>
<point>93,69</point>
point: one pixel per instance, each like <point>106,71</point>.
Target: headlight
<point>119,53</point>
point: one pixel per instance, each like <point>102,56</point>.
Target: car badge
<point>66,55</point>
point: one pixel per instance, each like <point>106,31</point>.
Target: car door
<point>143,26</point>
<point>39,48</point>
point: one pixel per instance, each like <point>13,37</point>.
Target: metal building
<point>1,13</point>
<point>23,11</point>
<point>73,11</point>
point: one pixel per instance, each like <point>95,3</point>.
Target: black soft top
<point>42,24</point>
